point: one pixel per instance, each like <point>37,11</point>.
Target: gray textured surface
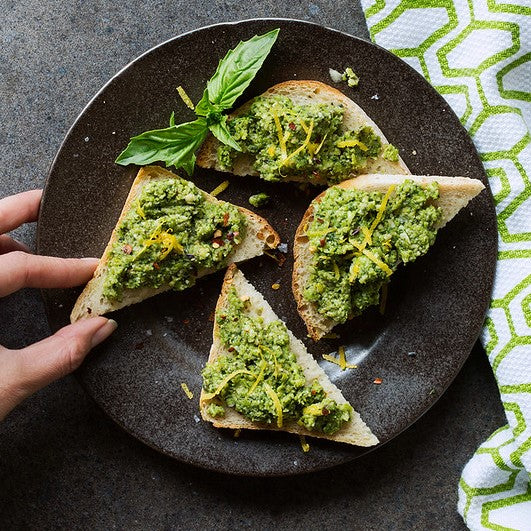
<point>63,464</point>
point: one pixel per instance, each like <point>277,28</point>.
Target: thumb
<point>29,369</point>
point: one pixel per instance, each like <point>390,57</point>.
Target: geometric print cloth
<point>477,54</point>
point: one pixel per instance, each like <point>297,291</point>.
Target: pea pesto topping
<point>171,233</point>
<point>261,378</point>
<point>358,239</point>
<point>305,140</point>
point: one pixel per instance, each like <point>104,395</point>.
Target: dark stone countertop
<point>63,463</point>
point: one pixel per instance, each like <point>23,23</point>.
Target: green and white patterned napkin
<point>477,54</point>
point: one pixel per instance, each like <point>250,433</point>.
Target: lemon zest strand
<point>336,361</point>
<point>354,272</point>
<point>321,144</point>
<point>367,234</point>
<point>280,135</point>
<point>304,445</point>
<point>187,391</point>
<point>336,270</point>
<point>220,188</point>
<point>225,381</point>
<point>258,379</point>
<point>186,99</point>
<point>352,143</point>
<point>342,359</point>
<point>382,265</point>
<point>276,402</point>
<point>301,148</point>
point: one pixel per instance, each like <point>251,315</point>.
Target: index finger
<point>18,209</point>
<point>21,270</point>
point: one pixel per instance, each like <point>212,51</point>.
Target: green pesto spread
<point>299,140</point>
<point>259,200</point>
<point>350,77</point>
<point>261,363</point>
<point>171,233</point>
<point>390,153</point>
<point>359,238</point>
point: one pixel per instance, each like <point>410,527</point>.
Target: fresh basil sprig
<point>176,145</point>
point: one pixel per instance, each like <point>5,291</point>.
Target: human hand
<point>24,371</point>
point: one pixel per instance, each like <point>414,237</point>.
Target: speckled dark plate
<point>435,306</point>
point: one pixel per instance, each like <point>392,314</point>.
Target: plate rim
<point>192,461</point>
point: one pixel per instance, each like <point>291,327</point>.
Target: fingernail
<point>104,332</point>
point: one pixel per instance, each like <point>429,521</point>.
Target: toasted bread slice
<point>259,236</point>
<point>354,432</point>
<point>304,93</point>
<point>455,193</point>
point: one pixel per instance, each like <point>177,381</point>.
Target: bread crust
<point>454,192</point>
<point>260,235</point>
<point>354,432</point>
<point>305,91</point>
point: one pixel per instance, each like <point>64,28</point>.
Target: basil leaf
<point>188,165</point>
<point>235,72</point>
<point>220,131</point>
<point>204,107</point>
<point>176,145</point>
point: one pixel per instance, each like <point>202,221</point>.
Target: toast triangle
<point>259,236</point>
<point>303,93</point>
<point>454,194</point>
<point>354,432</point>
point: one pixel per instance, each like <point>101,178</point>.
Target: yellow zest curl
<point>276,402</point>
<point>354,272</point>
<point>258,379</point>
<point>226,380</point>
<point>187,391</point>
<point>301,148</point>
<point>338,362</point>
<point>186,99</point>
<point>304,445</point>
<point>382,265</point>
<point>280,134</point>
<point>220,188</point>
<point>352,143</point>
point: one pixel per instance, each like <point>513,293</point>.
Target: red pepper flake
<point>231,349</point>
<point>292,126</point>
<point>225,219</point>
<point>127,249</point>
<point>377,381</point>
<point>320,220</point>
<point>325,411</point>
<point>217,243</point>
<point>322,242</point>
<point>314,392</point>
<point>156,266</point>
<point>186,321</point>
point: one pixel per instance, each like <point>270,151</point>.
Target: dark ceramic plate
<point>435,306</point>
